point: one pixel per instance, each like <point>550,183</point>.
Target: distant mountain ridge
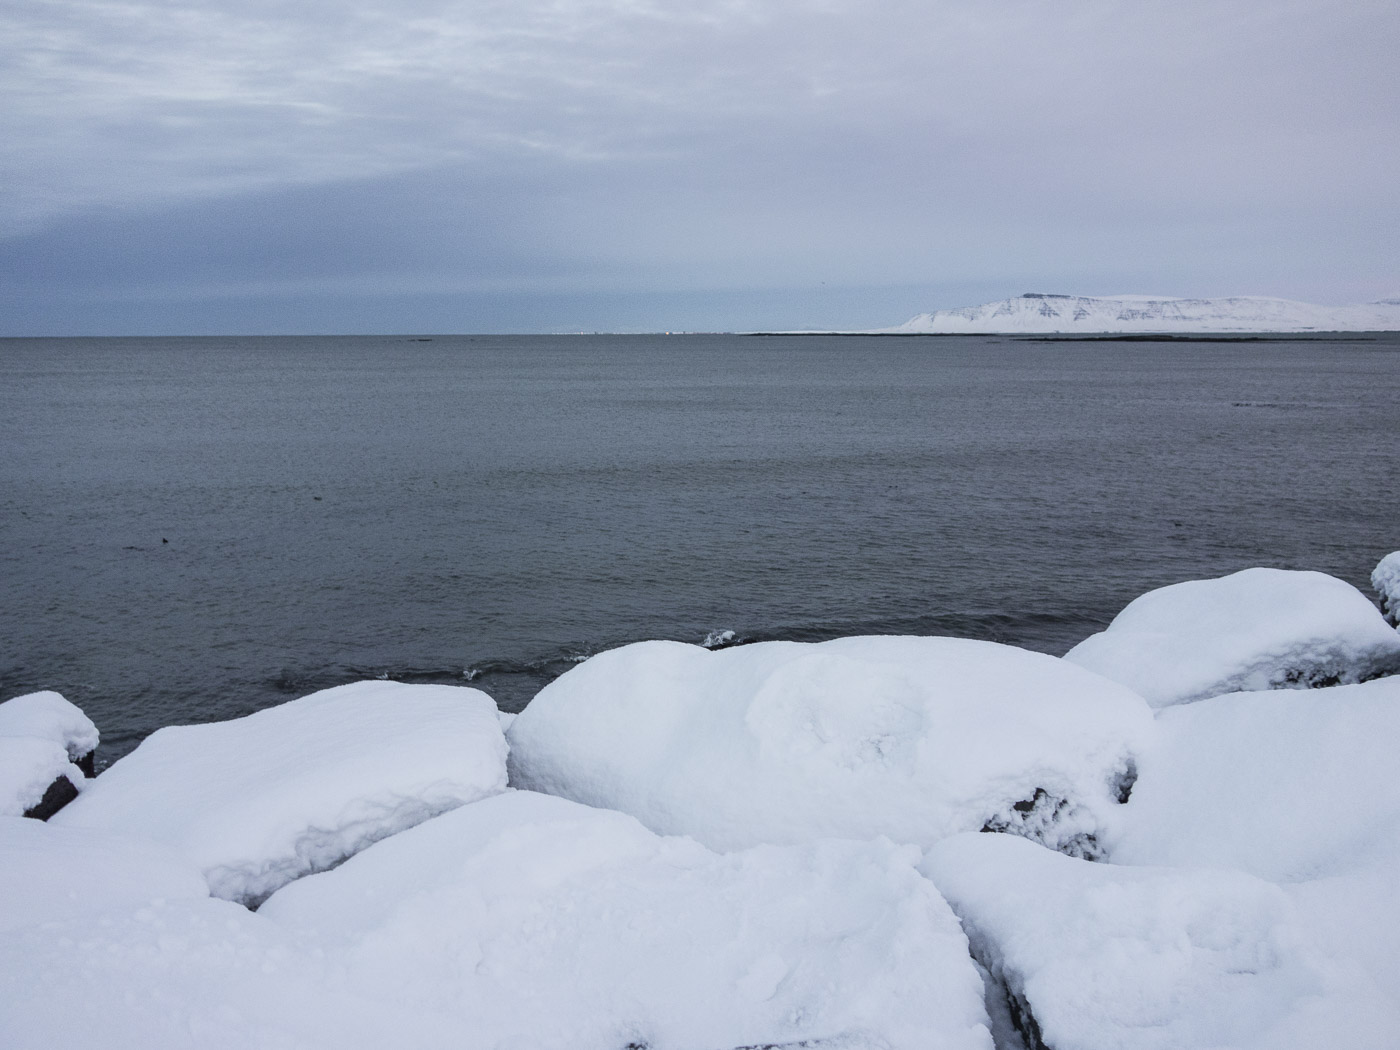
<point>1040,312</point>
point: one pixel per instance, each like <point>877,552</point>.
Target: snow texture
<point>782,742</point>
<point>1104,957</point>
<point>28,766</point>
<point>1300,789</point>
<point>259,801</point>
<point>551,924</point>
<point>1385,578</point>
<point>49,716</point>
<point>1255,629</point>
<point>1039,313</point>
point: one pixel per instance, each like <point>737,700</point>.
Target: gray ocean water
<point>194,529</point>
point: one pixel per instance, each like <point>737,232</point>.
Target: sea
<point>192,529</point>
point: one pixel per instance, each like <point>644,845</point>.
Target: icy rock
<point>36,777</point>
<point>259,801</point>
<point>542,923</point>
<point>1385,578</point>
<point>1104,957</point>
<point>1252,630</point>
<point>48,716</point>
<point>783,742</point>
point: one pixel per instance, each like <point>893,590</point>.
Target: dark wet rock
<point>56,796</point>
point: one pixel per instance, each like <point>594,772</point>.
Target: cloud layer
<point>202,165</point>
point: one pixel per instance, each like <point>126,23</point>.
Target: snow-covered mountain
<point>1036,312</point>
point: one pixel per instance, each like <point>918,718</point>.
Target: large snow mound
<point>1385,578</point>
<point>1288,786</point>
<point>1254,629</point>
<point>1300,789</point>
<point>1101,957</point>
<point>259,801</point>
<point>782,742</point>
<point>28,766</point>
<point>541,923</point>
<point>49,716</point>
<point>1035,312</point>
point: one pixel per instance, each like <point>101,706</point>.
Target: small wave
<point>719,639</point>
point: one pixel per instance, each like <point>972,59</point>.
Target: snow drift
<point>259,801</point>
<point>912,738</point>
<point>1255,629</point>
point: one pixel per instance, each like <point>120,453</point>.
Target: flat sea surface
<point>194,529</point>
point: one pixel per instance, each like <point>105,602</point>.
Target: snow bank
<point>1385,578</point>
<point>1255,629</point>
<point>259,801</point>
<point>1098,956</point>
<point>541,923</point>
<point>913,738</point>
<point>49,716</point>
<point>1298,788</point>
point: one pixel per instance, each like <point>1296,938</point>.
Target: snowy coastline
<point>1182,834</point>
<point>1041,313</point>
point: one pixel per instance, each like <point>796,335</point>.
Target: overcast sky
<point>484,165</point>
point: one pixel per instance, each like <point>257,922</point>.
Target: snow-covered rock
<point>782,742</point>
<point>1254,629</point>
<point>1298,788</point>
<point>1385,578</point>
<point>541,923</point>
<point>259,801</point>
<point>36,777</point>
<point>1035,312</point>
<point>46,753</point>
<point>48,716</point>
<point>1105,957</point>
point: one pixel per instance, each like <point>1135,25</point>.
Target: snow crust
<point>555,925</point>
<point>1255,629</point>
<point>1036,313</point>
<point>48,716</point>
<point>258,801</point>
<point>783,742</point>
<point>1385,578</point>
<point>1100,956</point>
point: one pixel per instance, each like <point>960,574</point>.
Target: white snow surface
<point>520,922</point>
<point>28,765</point>
<point>783,742</point>
<point>1385,578</point>
<point>543,923</point>
<point>258,801</point>
<point>1039,313</point>
<point>1255,629</point>
<point>1300,789</point>
<point>48,716</point>
<point>1108,957</point>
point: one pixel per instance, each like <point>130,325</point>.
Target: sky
<point>338,166</point>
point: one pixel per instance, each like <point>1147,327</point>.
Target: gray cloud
<point>587,151</point>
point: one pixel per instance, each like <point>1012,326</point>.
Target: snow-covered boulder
<point>1105,957</point>
<point>1385,578</point>
<point>48,716</point>
<point>1252,630</point>
<point>36,777</point>
<point>536,922</point>
<point>46,754</point>
<point>259,801</point>
<point>1300,789</point>
<point>782,742</point>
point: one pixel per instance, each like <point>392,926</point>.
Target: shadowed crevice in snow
<point>1052,822</point>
